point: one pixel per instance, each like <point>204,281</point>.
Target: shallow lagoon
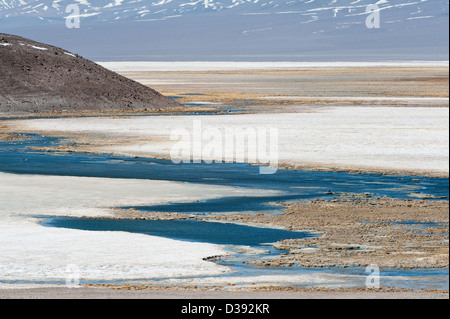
<point>295,185</point>
<point>246,243</point>
<point>16,158</point>
<point>184,230</point>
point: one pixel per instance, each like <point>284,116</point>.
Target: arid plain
<point>368,119</point>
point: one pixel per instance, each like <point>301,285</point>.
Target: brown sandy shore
<point>361,232</point>
<point>353,230</point>
<point>363,82</point>
<point>189,294</point>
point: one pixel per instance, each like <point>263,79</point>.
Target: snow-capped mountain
<point>280,29</point>
<point>141,10</point>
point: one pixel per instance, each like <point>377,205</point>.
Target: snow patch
<point>38,48</point>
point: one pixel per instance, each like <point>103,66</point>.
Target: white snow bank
<point>70,54</point>
<point>240,66</point>
<point>405,138</point>
<point>39,48</point>
<point>35,253</point>
<point>31,252</point>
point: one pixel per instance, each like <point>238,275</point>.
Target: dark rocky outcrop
<point>36,77</point>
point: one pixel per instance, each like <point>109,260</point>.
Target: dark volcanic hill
<point>36,77</point>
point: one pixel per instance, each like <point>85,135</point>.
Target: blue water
<point>232,236</point>
<point>294,185</point>
<point>220,205</point>
<point>15,157</point>
<point>184,230</point>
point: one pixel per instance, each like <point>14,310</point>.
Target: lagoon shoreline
<point>421,149</point>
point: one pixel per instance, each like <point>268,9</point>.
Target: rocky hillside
<point>36,77</point>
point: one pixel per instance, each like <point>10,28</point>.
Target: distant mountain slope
<point>140,10</point>
<point>236,29</point>
<point>36,77</point>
